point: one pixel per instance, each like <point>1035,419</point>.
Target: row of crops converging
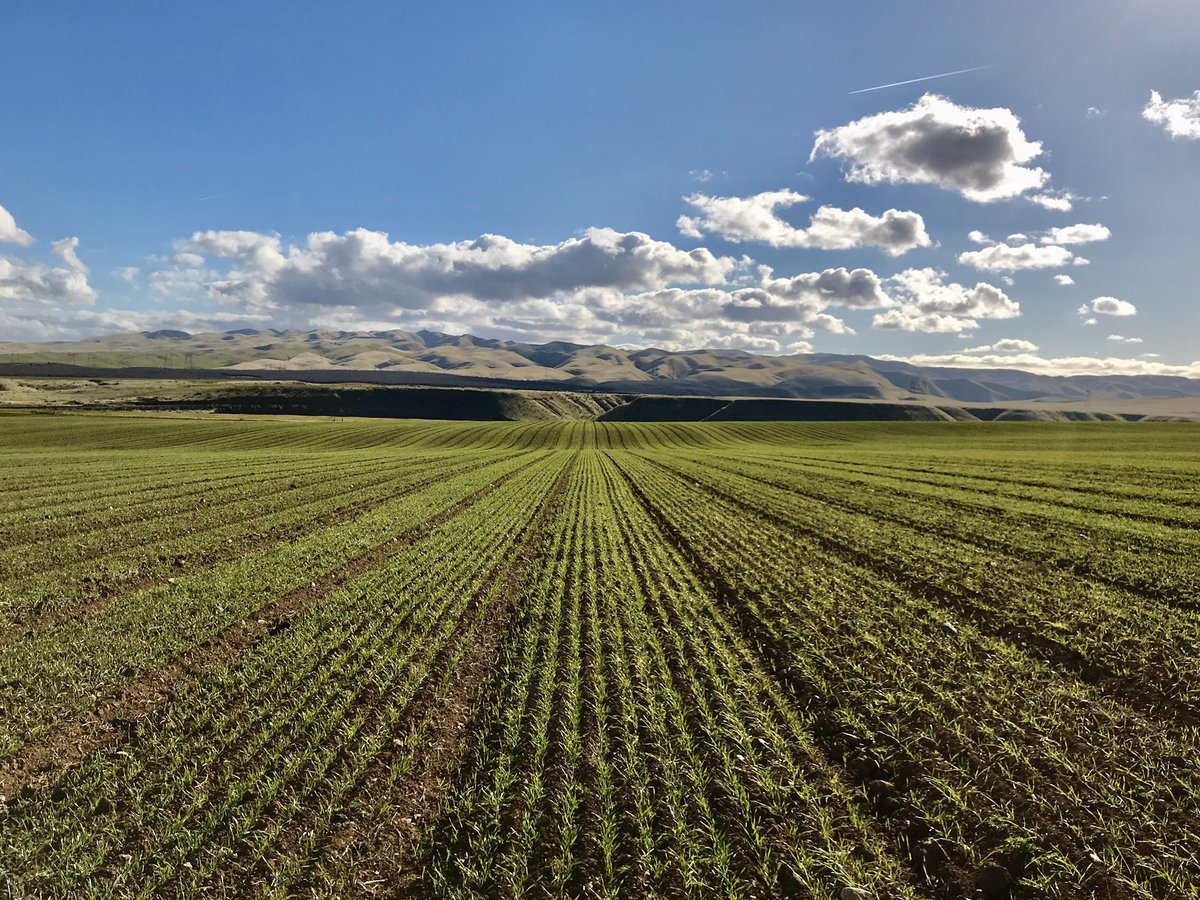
<point>749,660</point>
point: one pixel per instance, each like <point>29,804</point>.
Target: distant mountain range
<point>723,373</point>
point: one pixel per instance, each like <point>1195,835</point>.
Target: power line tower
<point>189,359</point>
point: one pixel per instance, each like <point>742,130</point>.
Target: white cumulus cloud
<point>1111,306</point>
<point>10,233</point>
<point>601,286</point>
<point>1006,258</point>
<point>24,282</point>
<point>1076,234</point>
<point>1005,345</point>
<point>60,323</point>
<point>1059,201</point>
<point>65,249</point>
<point>1064,280</point>
<point>1179,118</point>
<point>981,153</point>
<point>756,218</point>
<point>1065,365</point>
<point>926,302</point>
<point>367,270</point>
<point>40,291</point>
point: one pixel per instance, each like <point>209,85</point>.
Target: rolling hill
<point>436,358</point>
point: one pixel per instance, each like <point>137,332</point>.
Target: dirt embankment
<point>266,398</point>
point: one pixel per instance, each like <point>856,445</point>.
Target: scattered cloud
<point>601,286</point>
<point>128,273</point>
<point>28,283</point>
<point>1005,258</point>
<point>1076,234</point>
<point>183,277</point>
<point>701,175</point>
<point>1006,345</point>
<point>1111,306</point>
<point>40,301</point>
<point>856,289</point>
<point>1007,280</point>
<point>1059,201</point>
<point>55,323</point>
<point>1049,253</point>
<point>980,153</point>
<point>65,248</point>
<point>1064,280</point>
<point>367,270</point>
<point>1125,340</point>
<point>1068,365</point>
<point>1091,320</point>
<point>756,218</point>
<point>10,233</point>
<point>926,302</point>
<point>1179,118</point>
<point>1094,112</point>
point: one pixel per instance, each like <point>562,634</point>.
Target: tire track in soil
<point>387,849</point>
<point>931,862</point>
<point>23,628</point>
<point>46,759</point>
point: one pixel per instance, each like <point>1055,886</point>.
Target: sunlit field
<point>287,658</point>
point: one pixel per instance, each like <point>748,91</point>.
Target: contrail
<point>880,87</point>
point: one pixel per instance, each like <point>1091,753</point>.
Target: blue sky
<point>203,144</point>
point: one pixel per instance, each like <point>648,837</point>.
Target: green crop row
<point>229,781</point>
<point>1037,582</point>
<point>67,669</point>
<point>283,658</point>
<point>991,754</point>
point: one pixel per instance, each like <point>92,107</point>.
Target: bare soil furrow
<point>33,622</point>
<point>896,814</point>
<point>45,759</point>
<point>381,853</point>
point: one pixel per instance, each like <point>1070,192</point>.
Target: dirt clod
<point>994,881</point>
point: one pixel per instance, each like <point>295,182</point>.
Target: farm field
<point>375,658</point>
